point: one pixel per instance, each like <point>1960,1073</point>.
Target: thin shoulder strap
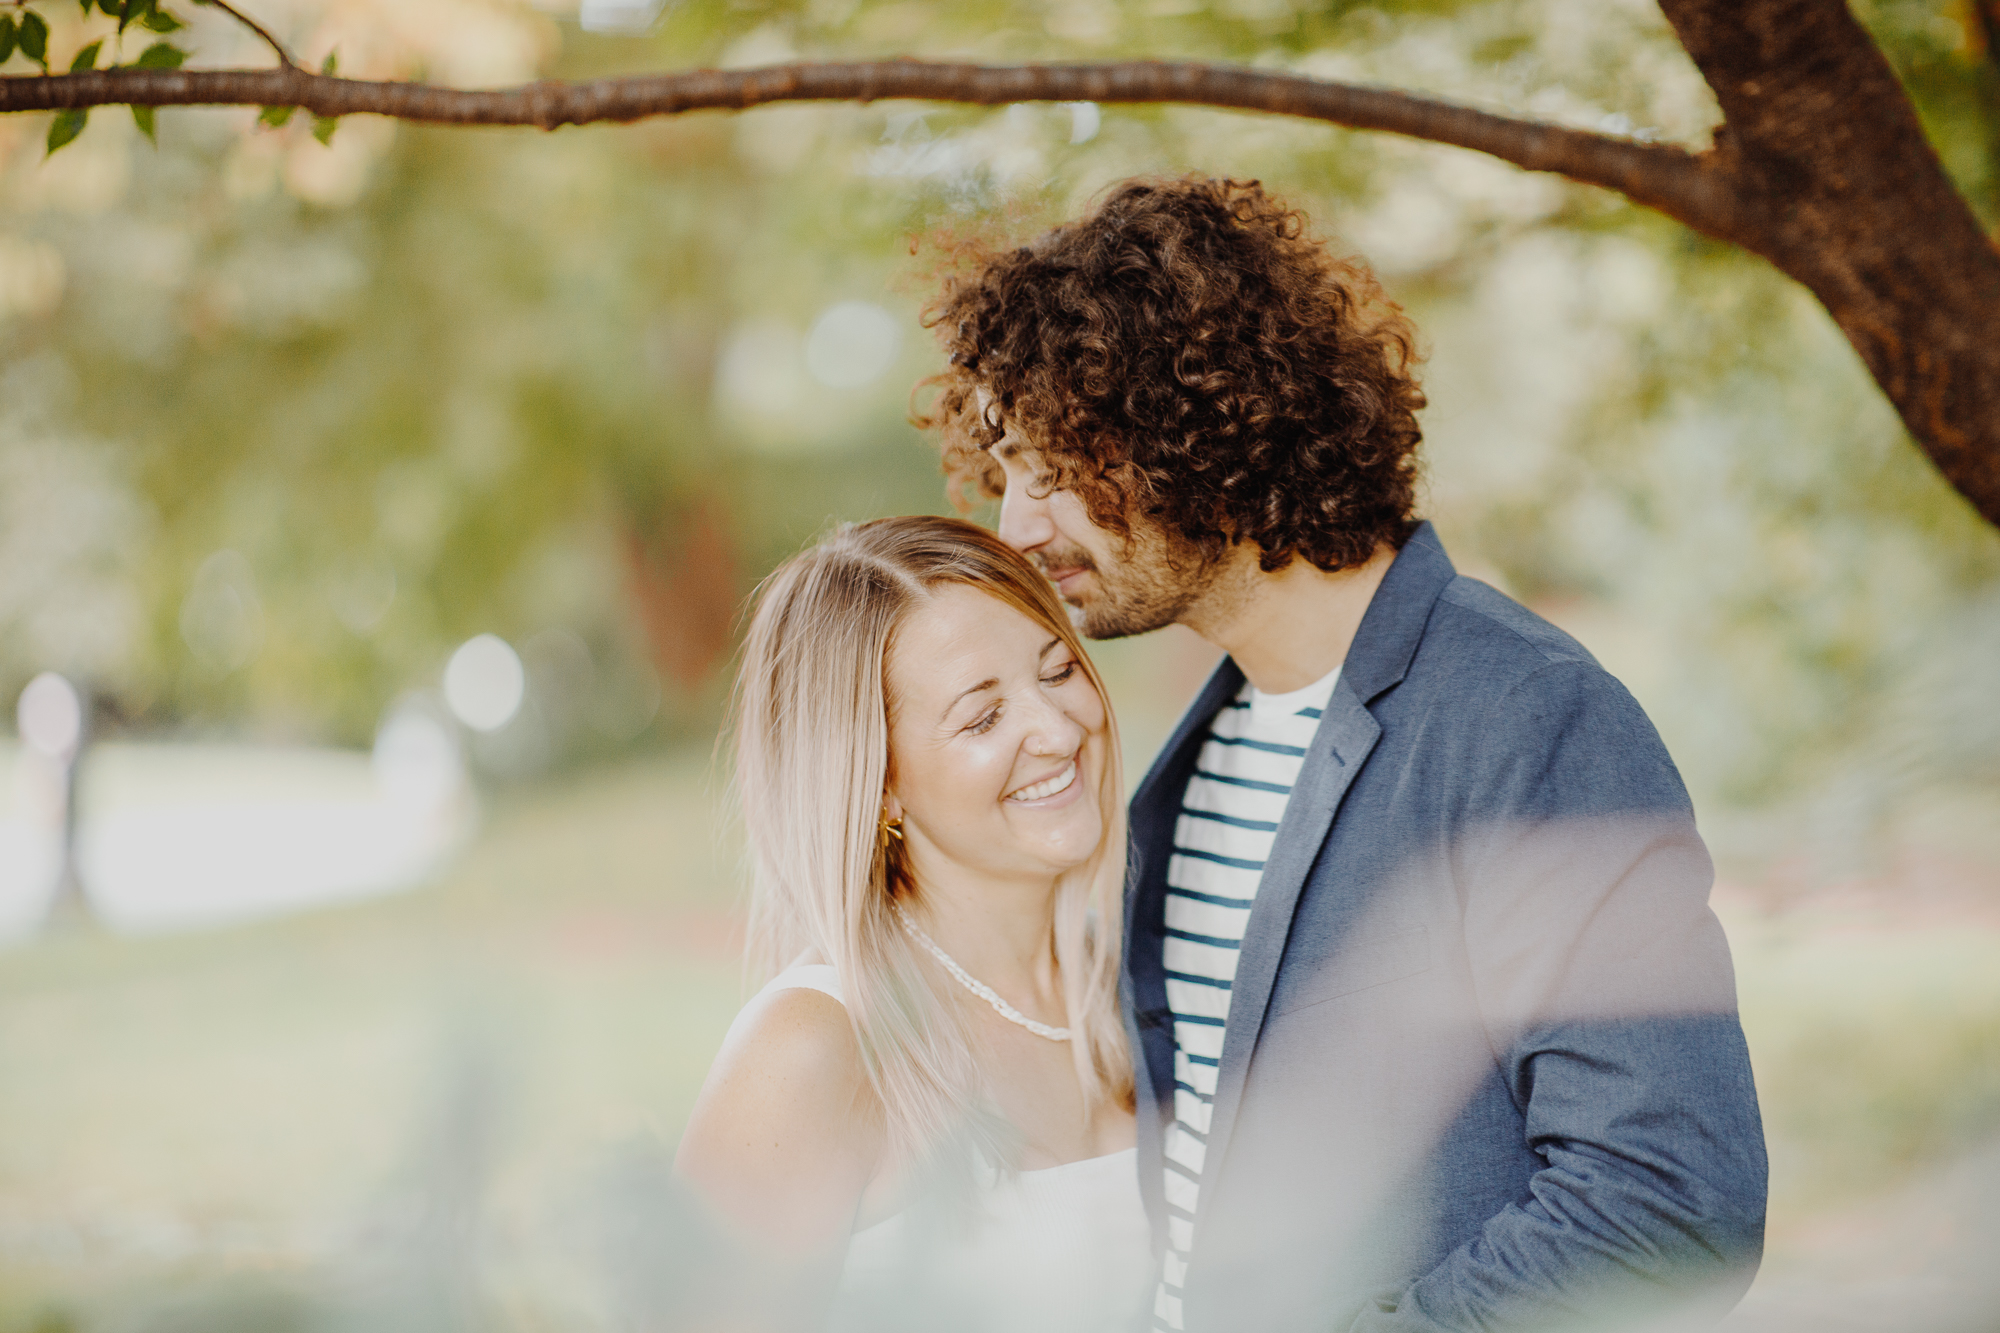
<point>807,976</point>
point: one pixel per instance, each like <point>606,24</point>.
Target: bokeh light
<point>484,682</point>
<point>415,759</point>
<point>50,715</point>
<point>852,344</point>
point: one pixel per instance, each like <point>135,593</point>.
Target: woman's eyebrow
<point>990,683</point>
<point>1045,647</point>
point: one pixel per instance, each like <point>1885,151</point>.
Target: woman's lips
<point>1047,787</point>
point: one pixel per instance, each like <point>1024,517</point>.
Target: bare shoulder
<point>787,1131</point>
<point>797,1040</point>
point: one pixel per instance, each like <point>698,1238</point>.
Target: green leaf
<point>331,64</point>
<point>323,127</point>
<point>8,35</point>
<point>111,8</point>
<point>160,55</point>
<point>86,8</point>
<point>35,39</point>
<point>274,116</point>
<point>66,126</point>
<point>159,20</point>
<point>86,59</point>
<point>142,116</point>
<point>134,11</point>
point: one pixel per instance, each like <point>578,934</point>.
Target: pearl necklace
<point>973,984</point>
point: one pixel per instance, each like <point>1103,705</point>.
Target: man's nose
<point>1024,518</point>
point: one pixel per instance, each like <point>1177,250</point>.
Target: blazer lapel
<point>1382,649</point>
<point>1155,806</point>
<point>1383,645</point>
<point>1347,733</point>
<point>1156,803</point>
<point>1157,788</point>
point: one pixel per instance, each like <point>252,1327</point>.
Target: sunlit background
<point>375,518</point>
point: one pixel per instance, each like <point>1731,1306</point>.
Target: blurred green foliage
<point>282,422</point>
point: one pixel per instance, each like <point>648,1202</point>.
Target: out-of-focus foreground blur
<point>374,518</point>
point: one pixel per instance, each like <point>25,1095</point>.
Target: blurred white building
<point>177,835</point>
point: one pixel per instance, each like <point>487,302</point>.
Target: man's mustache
<point>1074,557</point>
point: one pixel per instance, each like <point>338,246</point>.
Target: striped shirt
<point>1228,821</point>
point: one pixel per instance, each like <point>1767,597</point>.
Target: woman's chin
<point>1062,850</point>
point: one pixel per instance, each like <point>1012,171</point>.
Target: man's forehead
<point>1009,445</point>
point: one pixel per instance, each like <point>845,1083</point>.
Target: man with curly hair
<point>1433,1026</point>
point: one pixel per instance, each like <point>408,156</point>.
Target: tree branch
<point>284,56</point>
<point>1820,167</point>
<point>1657,175</point>
<point>1836,184</point>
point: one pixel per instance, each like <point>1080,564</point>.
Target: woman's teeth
<point>1059,782</point>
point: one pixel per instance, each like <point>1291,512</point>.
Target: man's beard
<point>1157,577</point>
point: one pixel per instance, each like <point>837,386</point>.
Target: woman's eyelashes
<point>986,721</point>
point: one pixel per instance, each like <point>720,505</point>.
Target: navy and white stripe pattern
<point>1228,821</point>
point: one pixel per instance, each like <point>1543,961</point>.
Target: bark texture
<point>1819,166</point>
<point>1833,181</point>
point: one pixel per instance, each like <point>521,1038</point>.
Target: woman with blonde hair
<point>925,1119</point>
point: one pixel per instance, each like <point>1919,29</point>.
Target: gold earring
<point>887,828</point>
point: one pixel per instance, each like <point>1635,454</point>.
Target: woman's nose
<point>1051,731</point>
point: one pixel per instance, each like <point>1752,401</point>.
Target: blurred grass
<point>1876,1050</point>
<point>244,1101</point>
<point>247,1095</point>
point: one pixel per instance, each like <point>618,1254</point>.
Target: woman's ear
<point>892,807</point>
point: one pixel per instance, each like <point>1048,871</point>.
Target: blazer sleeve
<point>1607,995</point>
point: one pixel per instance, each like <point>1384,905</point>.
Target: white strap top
<point>807,976</point>
<point>1066,1249</point>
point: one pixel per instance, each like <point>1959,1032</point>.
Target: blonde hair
<point>811,723</point>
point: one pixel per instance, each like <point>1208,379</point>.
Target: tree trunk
<point>1834,182</point>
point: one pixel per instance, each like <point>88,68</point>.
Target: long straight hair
<point>811,722</point>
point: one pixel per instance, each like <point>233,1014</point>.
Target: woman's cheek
<point>986,765</point>
<point>1087,711</point>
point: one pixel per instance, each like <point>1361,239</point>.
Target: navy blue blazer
<point>1483,1068</point>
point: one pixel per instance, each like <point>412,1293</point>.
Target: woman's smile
<point>1037,792</point>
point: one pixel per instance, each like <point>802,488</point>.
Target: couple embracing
<point>1393,1003</point>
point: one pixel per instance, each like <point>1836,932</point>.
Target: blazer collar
<point>1394,622</point>
<point>1383,645</point>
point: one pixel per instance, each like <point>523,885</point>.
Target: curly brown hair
<point>1189,351</point>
